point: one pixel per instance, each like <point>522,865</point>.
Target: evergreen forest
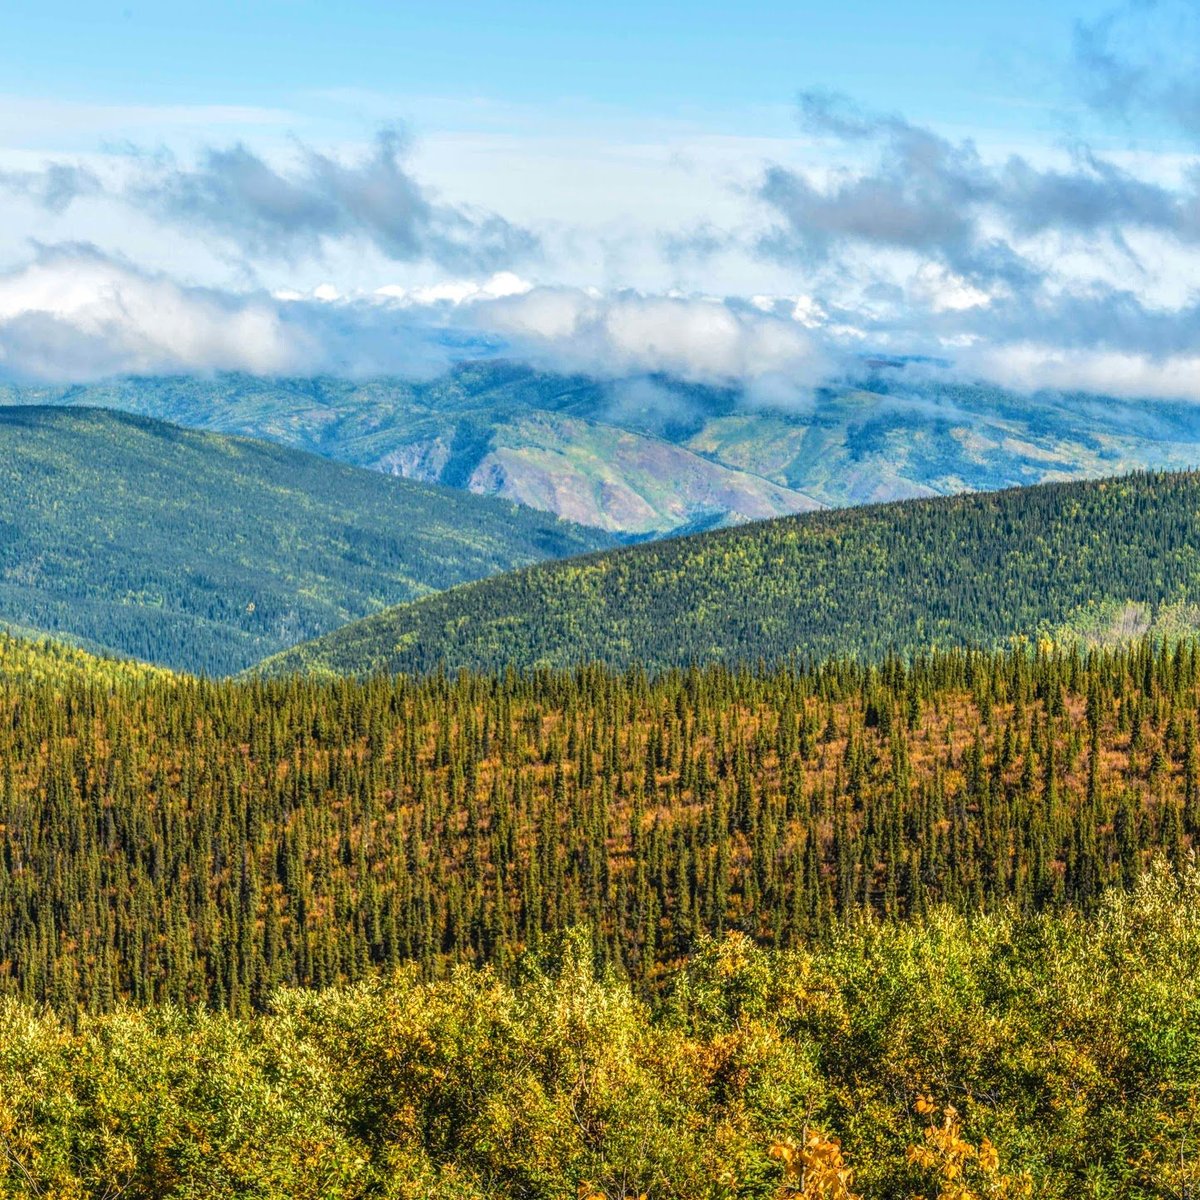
<point>817,930</point>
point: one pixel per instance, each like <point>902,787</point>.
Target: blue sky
<point>658,59</point>
<point>749,192</point>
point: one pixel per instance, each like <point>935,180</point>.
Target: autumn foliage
<point>1070,1046</point>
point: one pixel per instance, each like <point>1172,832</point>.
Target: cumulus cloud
<point>270,213</point>
<point>918,198</point>
<point>893,241</point>
<point>694,339</point>
<point>267,212</point>
<point>1023,274</point>
<point>74,313</point>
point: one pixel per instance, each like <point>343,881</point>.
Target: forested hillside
<point>26,658</point>
<point>205,553</point>
<point>168,839</point>
<point>652,454</point>
<point>969,570</point>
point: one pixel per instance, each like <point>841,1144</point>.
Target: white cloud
<point>696,339</point>
<point>1027,366</point>
<point>73,313</point>
<point>944,291</point>
<point>455,291</point>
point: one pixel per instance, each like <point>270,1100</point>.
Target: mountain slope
<point>962,570</point>
<point>493,429</point>
<point>646,456</point>
<point>204,553</point>
<point>30,658</point>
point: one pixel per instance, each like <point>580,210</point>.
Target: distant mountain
<point>966,570</point>
<point>203,552</point>
<point>647,456</point>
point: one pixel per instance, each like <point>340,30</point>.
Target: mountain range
<point>213,552</point>
<point>642,457</point>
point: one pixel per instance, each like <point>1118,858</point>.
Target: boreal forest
<point>362,837</point>
<point>829,928</point>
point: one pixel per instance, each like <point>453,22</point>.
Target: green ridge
<point>967,570</point>
<point>29,657</point>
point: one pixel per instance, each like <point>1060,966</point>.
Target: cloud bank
<point>1065,267</point>
<point>75,314</point>
<point>695,339</point>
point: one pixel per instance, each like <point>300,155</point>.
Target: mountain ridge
<point>649,455</point>
<point>975,569</point>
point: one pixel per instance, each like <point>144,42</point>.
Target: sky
<point>757,194</point>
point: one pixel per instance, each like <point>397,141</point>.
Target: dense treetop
<point>204,552</point>
<point>967,570</point>
<point>1068,1046</point>
<point>597,934</point>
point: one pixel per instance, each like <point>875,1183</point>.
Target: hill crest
<point>975,569</point>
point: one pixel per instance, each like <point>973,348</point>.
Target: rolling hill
<point>203,552</point>
<point>647,456</point>
<point>30,658</point>
<point>966,570</point>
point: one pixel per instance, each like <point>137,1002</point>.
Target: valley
<point>204,552</point>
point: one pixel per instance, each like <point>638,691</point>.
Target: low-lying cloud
<point>625,333</point>
<point>74,314</point>
<point>1069,268</point>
